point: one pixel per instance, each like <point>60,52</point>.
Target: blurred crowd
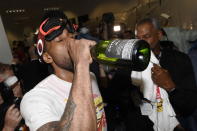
<point>125,100</point>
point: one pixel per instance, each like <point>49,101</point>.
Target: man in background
<point>175,73</point>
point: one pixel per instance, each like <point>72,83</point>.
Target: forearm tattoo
<point>67,117</point>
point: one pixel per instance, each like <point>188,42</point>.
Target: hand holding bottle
<point>79,50</point>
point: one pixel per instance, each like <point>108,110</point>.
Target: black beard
<point>70,67</point>
<point>66,64</point>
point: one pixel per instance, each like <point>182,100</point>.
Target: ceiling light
<point>15,11</point>
<point>117,28</point>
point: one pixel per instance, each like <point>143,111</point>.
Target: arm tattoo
<point>51,126</point>
<point>67,117</point>
<point>66,120</point>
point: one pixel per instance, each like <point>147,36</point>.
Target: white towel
<point>165,120</point>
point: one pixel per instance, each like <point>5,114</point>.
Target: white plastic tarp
<point>5,51</point>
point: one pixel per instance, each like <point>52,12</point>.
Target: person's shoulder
<point>35,100</point>
<point>36,108</point>
<point>180,54</point>
<point>169,46</point>
<point>47,81</point>
<point>30,100</point>
<point>35,96</point>
<point>39,91</point>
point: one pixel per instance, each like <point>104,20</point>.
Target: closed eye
<point>59,40</point>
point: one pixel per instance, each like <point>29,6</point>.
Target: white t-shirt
<point>46,103</point>
<point>164,118</point>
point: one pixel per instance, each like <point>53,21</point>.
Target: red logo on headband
<point>49,31</point>
<point>41,36</point>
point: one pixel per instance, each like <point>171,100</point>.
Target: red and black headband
<point>48,30</point>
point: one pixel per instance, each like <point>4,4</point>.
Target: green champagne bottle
<point>132,53</point>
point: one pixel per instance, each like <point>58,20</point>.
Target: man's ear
<point>47,58</point>
<point>160,35</point>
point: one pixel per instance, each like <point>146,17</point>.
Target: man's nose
<point>140,37</point>
<point>143,38</point>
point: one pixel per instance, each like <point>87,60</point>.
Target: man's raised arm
<point>80,112</point>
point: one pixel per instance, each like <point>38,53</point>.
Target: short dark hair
<point>152,21</point>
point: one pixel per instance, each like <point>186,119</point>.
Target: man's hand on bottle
<point>162,78</point>
<point>79,50</point>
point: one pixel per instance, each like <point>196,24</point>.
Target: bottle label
<point>121,49</point>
